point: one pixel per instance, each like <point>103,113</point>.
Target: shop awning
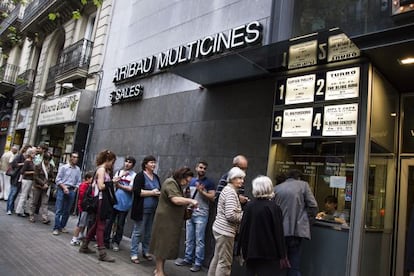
<point>382,48</point>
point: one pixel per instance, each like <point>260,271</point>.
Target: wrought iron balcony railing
<point>34,9</point>
<point>76,56</point>
<point>16,15</point>
<point>25,83</point>
<point>8,73</point>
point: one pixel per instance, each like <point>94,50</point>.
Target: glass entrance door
<point>406,201</point>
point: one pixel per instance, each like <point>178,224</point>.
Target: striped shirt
<point>229,212</point>
<point>223,183</point>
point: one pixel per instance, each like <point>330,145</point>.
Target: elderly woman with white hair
<point>261,239</point>
<point>225,227</point>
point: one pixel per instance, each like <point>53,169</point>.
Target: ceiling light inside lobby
<point>406,61</point>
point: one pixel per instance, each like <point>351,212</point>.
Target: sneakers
<point>64,230</point>
<point>9,212</point>
<point>55,232</point>
<point>115,247</point>
<point>75,242</point>
<point>182,263</point>
<point>195,268</point>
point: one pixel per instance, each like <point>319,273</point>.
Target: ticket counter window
<point>328,167</point>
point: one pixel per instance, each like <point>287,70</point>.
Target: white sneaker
<point>115,247</point>
<point>55,232</point>
<point>64,230</point>
<point>9,212</point>
<point>75,242</point>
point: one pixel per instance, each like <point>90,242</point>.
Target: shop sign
<point>340,120</point>
<point>315,49</point>
<point>22,120</point>
<point>235,38</point>
<point>340,47</point>
<point>303,54</point>
<point>324,86</point>
<point>127,94</point>
<point>331,120</point>
<point>297,122</point>
<point>300,89</point>
<point>342,84</point>
<point>4,124</point>
<point>60,110</point>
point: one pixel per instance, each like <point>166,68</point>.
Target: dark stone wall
<point>213,124</point>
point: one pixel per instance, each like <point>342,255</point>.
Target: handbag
<point>12,172</point>
<point>188,212</point>
<point>89,202</point>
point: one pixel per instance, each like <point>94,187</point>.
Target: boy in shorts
<point>83,216</point>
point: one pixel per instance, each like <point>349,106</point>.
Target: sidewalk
<point>31,249</point>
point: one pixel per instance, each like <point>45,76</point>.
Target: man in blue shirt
<point>67,181</point>
<point>124,180</point>
<point>202,190</point>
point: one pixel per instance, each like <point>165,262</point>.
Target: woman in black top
<point>261,239</point>
<point>27,173</point>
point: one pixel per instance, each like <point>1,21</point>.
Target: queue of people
<point>266,231</point>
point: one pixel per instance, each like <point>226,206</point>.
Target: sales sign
<point>340,120</point>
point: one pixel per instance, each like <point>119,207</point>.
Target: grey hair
<point>262,187</point>
<point>237,159</point>
<point>30,151</point>
<point>235,172</point>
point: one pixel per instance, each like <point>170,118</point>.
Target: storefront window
<point>327,165</point>
<point>352,16</point>
<point>381,186</point>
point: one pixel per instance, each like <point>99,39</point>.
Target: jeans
<point>63,205</point>
<point>293,245</point>
<point>194,239</point>
<point>119,217</point>
<point>14,190</point>
<point>142,227</point>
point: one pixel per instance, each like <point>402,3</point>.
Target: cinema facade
<point>289,84</point>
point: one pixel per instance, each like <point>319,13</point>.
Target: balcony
<point>8,76</point>
<point>13,20</point>
<point>25,85</point>
<point>36,16</point>
<point>74,61</point>
<point>5,6</point>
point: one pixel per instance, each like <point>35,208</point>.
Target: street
<point>31,249</point>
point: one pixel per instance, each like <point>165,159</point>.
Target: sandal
<point>147,257</point>
<point>135,260</point>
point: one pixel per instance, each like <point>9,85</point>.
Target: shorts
<point>83,219</point>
